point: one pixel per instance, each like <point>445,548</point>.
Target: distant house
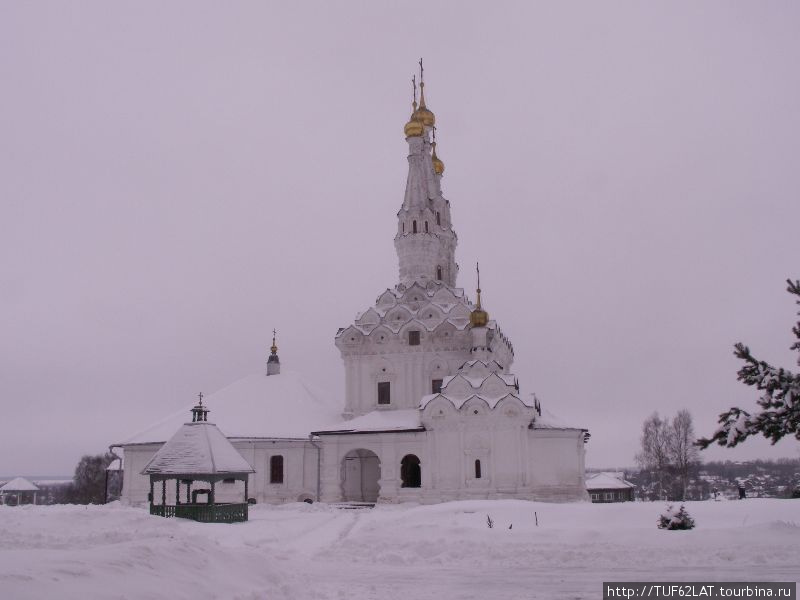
<point>609,487</point>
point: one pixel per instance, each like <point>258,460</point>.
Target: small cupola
<point>438,165</point>
<point>478,317</point>
<point>199,412</point>
<point>273,362</point>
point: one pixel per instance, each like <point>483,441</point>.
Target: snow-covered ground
<point>445,551</point>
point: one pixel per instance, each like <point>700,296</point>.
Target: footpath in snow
<point>442,552</point>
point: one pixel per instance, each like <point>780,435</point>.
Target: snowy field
<point>437,552</point>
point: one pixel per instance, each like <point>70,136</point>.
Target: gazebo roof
<point>19,484</point>
<point>198,448</point>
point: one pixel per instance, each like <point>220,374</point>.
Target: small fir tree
<point>672,519</point>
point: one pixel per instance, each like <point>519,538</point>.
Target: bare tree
<point>655,453</point>
<point>683,452</point>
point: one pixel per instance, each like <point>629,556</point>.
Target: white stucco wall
<point>299,472</point>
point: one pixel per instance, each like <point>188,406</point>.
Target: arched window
<point>477,469</point>
<point>438,218</point>
<point>276,469</point>
<point>439,273</point>
<point>410,471</point>
<point>414,227</point>
<point>426,227</point>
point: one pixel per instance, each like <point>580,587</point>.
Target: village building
<point>609,487</point>
<point>432,410</point>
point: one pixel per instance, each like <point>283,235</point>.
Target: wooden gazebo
<point>197,452</point>
<point>20,488</point>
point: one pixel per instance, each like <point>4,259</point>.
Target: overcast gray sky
<point>176,179</point>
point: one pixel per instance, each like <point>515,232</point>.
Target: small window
<point>276,469</point>
<point>426,227</point>
<point>413,338</point>
<point>404,227</point>
<point>439,273</point>
<point>438,218</point>
<point>436,386</point>
<point>384,396</point>
<point>477,469</point>
<point>414,227</point>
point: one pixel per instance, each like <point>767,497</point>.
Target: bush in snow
<point>675,519</point>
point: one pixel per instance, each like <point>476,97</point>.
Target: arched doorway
<point>410,471</point>
<point>361,470</point>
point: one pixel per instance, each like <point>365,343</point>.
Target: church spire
<point>425,241</point>
<point>273,362</point>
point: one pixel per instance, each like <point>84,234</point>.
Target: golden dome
<point>478,317</point>
<point>438,165</point>
<point>413,128</point>
<point>425,116</point>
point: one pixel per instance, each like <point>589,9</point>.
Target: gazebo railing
<point>205,513</point>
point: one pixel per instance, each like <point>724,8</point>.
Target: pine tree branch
<point>780,402</point>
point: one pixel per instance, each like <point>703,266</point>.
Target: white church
<point>432,410</point>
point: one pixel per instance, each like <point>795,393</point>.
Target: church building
<point>432,410</point>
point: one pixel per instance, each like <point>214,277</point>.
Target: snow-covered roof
<point>258,406</point>
<point>19,484</point>
<point>607,481</point>
<point>377,420</point>
<point>199,448</point>
<point>548,420</point>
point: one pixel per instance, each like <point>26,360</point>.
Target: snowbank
<point>443,551</point>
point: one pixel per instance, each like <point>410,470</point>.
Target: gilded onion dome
<point>414,127</point>
<point>478,317</point>
<point>438,165</point>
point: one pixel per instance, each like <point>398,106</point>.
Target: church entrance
<point>361,470</point>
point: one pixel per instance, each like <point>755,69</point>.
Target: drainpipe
<point>119,458</point>
<point>319,461</point>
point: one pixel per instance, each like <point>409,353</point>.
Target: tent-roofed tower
<point>425,240</point>
<point>418,332</point>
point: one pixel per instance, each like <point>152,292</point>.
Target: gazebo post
<point>177,491</point>
<point>164,492</point>
<point>211,497</point>
<point>188,491</point>
<point>246,479</point>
